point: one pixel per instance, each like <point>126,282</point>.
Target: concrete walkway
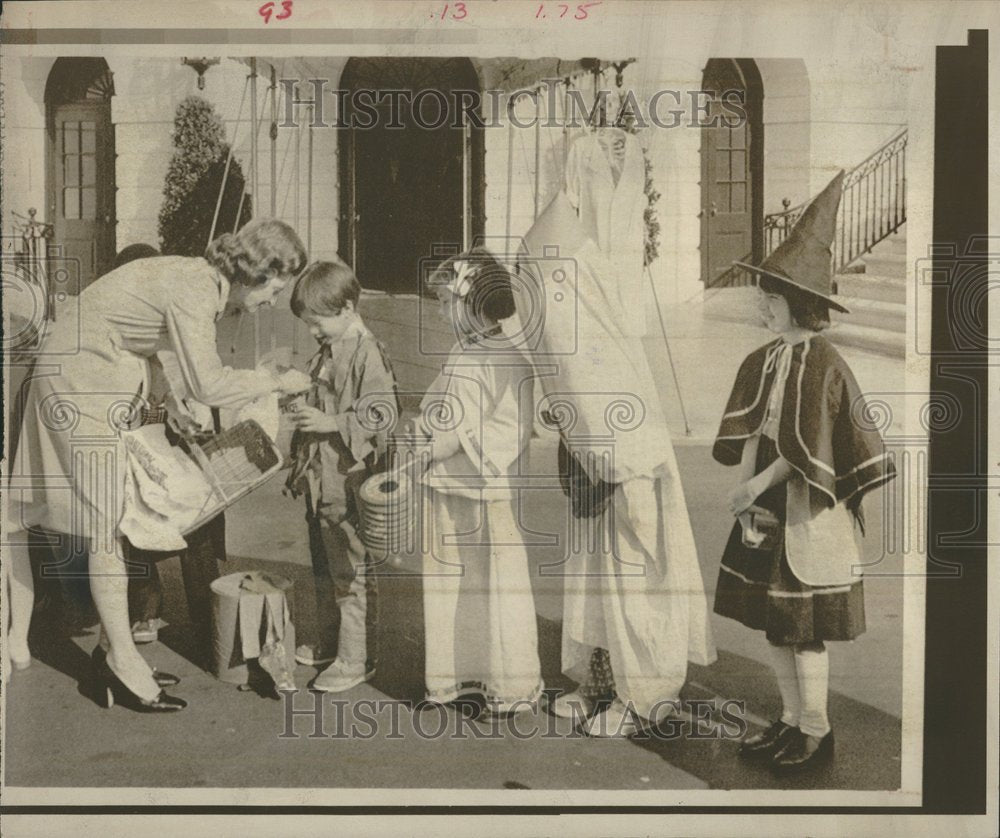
<point>57,736</point>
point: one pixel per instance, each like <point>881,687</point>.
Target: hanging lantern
<point>200,66</point>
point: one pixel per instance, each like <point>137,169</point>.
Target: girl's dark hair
<point>261,250</point>
<point>808,310</point>
<point>491,294</point>
<point>324,289</point>
<point>135,251</point>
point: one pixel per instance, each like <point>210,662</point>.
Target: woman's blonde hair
<point>261,250</point>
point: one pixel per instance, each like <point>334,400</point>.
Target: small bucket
<point>239,620</point>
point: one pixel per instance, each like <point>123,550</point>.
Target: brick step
<point>869,286</point>
<point>885,264</point>
<point>874,314</point>
<point>877,341</point>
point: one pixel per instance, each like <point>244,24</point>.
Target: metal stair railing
<point>872,208</point>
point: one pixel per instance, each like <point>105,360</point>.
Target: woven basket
<point>236,461</point>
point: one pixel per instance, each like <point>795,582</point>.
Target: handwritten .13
<point>563,9</point>
<point>267,10</point>
<point>459,11</point>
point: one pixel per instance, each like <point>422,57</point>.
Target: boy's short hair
<point>324,289</point>
<point>809,311</point>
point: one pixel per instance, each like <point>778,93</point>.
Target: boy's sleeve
<point>367,422</point>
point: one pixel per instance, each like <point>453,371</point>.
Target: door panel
<point>727,182</point>
<point>731,172</point>
<point>407,191</point>
<point>82,188</point>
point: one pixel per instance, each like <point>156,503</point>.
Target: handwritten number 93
<point>267,10</point>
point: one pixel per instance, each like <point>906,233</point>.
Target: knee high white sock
<point>813,666</point>
<point>783,661</point>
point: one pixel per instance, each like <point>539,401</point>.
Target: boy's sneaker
<point>311,655</point>
<point>340,676</point>
<point>145,631</point>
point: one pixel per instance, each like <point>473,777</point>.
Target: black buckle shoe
<point>113,690</point>
<point>802,752</point>
<point>767,742</point>
<point>163,679</point>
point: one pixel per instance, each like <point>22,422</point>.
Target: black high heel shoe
<point>163,679</point>
<point>112,689</point>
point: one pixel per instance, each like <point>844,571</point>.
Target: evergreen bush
<point>193,181</point>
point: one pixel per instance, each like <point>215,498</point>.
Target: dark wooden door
<point>730,173</point>
<point>407,191</point>
<point>82,187</point>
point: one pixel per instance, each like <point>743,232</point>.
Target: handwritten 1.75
<point>561,10</point>
<point>460,11</point>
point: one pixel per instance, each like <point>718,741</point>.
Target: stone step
<point>874,314</point>
<point>877,341</point>
<point>885,264</point>
<point>896,244</point>
<point>868,286</point>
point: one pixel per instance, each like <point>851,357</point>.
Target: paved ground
<point>57,736</point>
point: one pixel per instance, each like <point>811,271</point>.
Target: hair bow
<point>461,284</point>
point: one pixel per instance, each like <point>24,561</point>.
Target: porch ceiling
<point>507,74</point>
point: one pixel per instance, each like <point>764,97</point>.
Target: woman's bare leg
<point>20,588</point>
<point>109,587</point>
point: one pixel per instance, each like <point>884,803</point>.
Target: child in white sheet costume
<point>634,609</point>
<point>479,612</point>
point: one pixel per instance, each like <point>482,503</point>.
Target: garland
<point>652,244</point>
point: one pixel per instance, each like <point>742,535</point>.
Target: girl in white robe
<point>479,611</point>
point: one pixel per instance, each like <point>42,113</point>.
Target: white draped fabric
<point>479,612</point>
<point>632,581</point>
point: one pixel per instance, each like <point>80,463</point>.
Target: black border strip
<point>955,732</point>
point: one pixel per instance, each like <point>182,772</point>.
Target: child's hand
<point>445,445</point>
<point>742,497</point>
<point>294,381</point>
<point>313,420</point>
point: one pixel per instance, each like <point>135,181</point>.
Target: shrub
<point>193,181</point>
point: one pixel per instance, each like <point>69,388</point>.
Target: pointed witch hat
<point>804,258</point>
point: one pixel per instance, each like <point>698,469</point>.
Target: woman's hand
<point>314,421</point>
<point>294,381</point>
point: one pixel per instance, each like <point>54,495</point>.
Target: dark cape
<point>824,429</point>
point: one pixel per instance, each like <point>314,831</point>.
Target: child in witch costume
<point>790,568</point>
